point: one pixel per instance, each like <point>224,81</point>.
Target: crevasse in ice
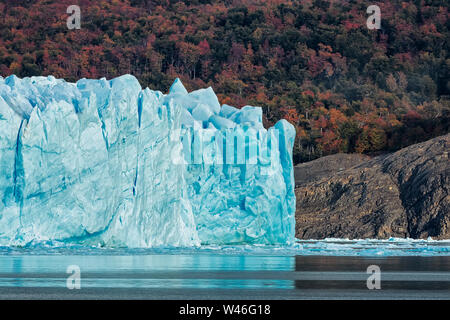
<point>105,162</point>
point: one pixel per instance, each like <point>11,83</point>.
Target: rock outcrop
<point>403,194</point>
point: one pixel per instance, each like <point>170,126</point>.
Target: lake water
<point>308,270</point>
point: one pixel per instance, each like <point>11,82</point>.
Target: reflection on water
<point>391,264</point>
<point>153,283</point>
<point>154,271</point>
<point>209,271</point>
<point>52,263</point>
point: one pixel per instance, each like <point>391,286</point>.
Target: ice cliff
<point>105,162</point>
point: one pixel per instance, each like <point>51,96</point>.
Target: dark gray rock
<point>403,194</point>
<point>326,166</point>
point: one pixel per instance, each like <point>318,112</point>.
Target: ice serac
<point>105,162</point>
<point>10,125</point>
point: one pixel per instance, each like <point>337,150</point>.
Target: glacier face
<point>105,162</point>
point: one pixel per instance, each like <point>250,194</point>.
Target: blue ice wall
<point>105,162</point>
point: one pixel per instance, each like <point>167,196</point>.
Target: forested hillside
<point>346,88</point>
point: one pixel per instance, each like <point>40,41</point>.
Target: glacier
<point>105,162</point>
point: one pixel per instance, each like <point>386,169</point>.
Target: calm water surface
<point>221,274</point>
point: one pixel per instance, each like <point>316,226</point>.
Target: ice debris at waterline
<point>105,162</point>
<point>327,247</point>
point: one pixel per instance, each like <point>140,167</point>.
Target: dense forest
<point>315,63</point>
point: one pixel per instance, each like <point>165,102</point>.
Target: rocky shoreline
<point>403,194</point>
